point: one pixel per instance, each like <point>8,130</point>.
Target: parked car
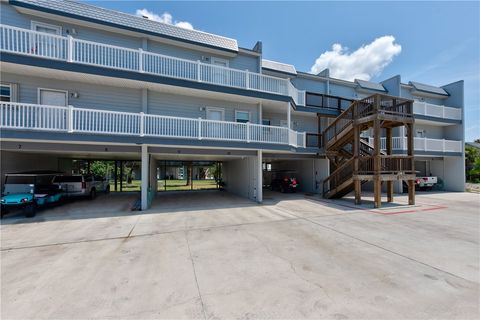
<point>82,185</point>
<point>284,181</point>
<point>425,183</point>
<point>29,190</point>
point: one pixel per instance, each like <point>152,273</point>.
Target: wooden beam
<point>377,184</point>
<point>411,192</point>
<point>358,191</point>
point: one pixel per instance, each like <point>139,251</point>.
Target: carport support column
<point>259,176</point>
<point>145,177</point>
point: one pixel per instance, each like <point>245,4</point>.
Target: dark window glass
<point>59,179</point>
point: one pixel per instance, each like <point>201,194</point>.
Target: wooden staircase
<point>355,162</point>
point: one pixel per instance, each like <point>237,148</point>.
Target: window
<point>219,62</point>
<point>266,122</point>
<point>46,28</point>
<point>242,116</point>
<point>5,92</point>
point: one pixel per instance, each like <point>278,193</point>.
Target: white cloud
<point>164,18</point>
<point>364,63</point>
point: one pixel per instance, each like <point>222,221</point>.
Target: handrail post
<point>70,48</point>
<point>199,128</point>
<point>142,124</point>
<point>248,132</point>
<point>70,119</point>
<point>199,78</point>
<point>140,60</point>
<point>247,79</point>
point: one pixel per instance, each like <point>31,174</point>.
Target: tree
<point>472,163</point>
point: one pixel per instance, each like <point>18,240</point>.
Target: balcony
<point>423,144</point>
<point>37,117</point>
<point>48,46</point>
<point>436,111</point>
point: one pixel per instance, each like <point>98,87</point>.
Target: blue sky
<point>440,41</point>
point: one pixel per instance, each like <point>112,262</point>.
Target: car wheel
<point>30,210</point>
<point>93,194</point>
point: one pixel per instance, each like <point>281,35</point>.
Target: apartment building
<point>83,82</point>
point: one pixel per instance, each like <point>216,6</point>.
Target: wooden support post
<point>389,152</point>
<point>411,192</point>
<point>377,184</point>
<point>358,191</point>
<point>356,155</point>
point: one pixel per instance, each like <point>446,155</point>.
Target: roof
<point>278,66</point>
<point>473,144</point>
<point>118,19</point>
<point>428,88</point>
<point>370,85</point>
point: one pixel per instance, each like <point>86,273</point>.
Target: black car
<point>284,182</point>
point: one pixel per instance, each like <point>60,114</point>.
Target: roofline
<point>249,51</point>
<point>335,80</point>
<point>278,71</point>
<point>120,26</point>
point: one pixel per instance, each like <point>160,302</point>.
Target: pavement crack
<point>195,275</point>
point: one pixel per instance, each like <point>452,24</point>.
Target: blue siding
<point>195,107</point>
<point>310,85</point>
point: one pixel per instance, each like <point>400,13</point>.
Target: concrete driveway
<point>215,255</point>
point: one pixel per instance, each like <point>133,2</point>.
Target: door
<point>214,129</point>
<point>52,97</point>
<point>46,45</point>
<point>220,75</point>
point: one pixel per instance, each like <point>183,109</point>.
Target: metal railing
<point>82,120</point>
<point>423,144</point>
<point>34,43</point>
<point>436,111</point>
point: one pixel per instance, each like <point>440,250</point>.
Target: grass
<point>172,185</point>
<point>177,185</point>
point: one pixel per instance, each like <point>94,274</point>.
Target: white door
<point>214,129</point>
<point>53,97</point>
<point>220,75</point>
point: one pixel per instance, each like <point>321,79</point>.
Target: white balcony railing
<point>80,120</point>
<point>423,144</point>
<point>38,44</point>
<point>437,111</point>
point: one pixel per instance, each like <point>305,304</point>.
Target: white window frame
<point>35,24</point>
<point>215,109</point>
<point>215,59</point>
<point>39,97</point>
<point>11,90</point>
<point>243,111</point>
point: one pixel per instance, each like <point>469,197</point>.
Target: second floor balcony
<point>423,144</point>
<point>36,117</point>
<point>436,111</point>
<point>68,49</point>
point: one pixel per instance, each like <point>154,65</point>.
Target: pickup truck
<point>425,183</point>
<point>81,185</point>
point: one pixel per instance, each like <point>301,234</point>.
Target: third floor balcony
<point>68,49</point>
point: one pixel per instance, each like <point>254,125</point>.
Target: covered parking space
<point>145,171</point>
<point>309,171</point>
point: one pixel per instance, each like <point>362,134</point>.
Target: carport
<point>309,170</point>
<point>240,169</point>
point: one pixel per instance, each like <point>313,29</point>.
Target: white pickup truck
<point>78,185</point>
<point>425,183</point>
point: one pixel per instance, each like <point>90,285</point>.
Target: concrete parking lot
<point>214,255</point>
